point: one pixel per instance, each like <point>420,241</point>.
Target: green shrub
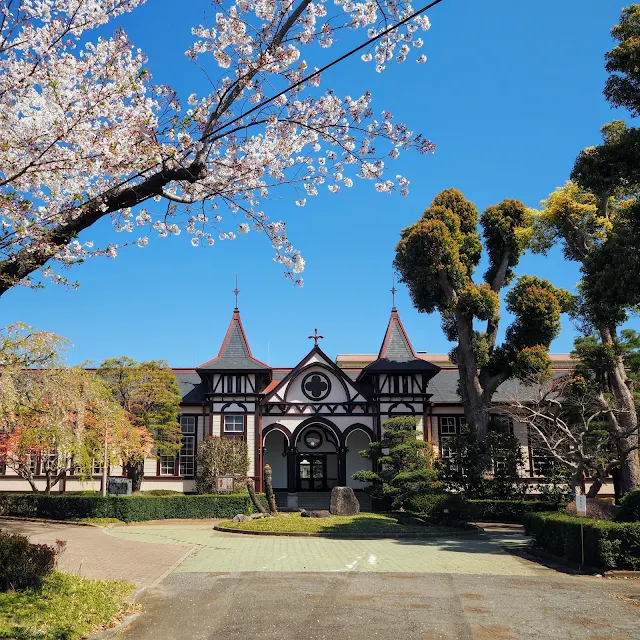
<point>221,457</point>
<point>23,565</point>
<point>126,508</point>
<point>506,510</point>
<point>607,545</point>
<point>161,492</point>
<point>630,507</point>
<point>439,508</point>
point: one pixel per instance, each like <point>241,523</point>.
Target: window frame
<point>456,429</point>
<point>166,460</point>
<point>236,433</point>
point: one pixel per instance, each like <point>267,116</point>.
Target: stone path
<point>92,553</point>
<point>224,552</point>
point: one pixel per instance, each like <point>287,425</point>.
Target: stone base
<point>292,500</point>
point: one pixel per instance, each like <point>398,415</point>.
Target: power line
<point>323,69</point>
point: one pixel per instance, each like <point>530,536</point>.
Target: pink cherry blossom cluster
<point>84,133</point>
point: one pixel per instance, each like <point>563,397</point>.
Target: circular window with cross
<point>316,386</point>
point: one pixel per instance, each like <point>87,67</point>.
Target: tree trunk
<point>474,400</point>
<point>254,498</point>
<point>134,470</point>
<point>268,488</point>
<point>627,418</point>
<point>596,485</point>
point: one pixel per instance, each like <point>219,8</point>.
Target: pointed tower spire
<point>235,352</point>
<point>396,345</point>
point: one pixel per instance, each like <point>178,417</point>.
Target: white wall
<point>276,444</point>
<point>357,441</point>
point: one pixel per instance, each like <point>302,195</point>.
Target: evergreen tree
<point>437,257</point>
<point>402,461</point>
<point>596,219</point>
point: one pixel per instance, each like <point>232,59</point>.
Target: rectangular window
<point>188,424</point>
<point>187,456</point>
<point>167,465</point>
<point>234,424</point>
<point>448,425</point>
<point>33,463</point>
<point>396,384</point>
<point>229,388</point>
<point>238,384</point>
<point>97,467</point>
<point>464,427</point>
<point>501,424</point>
<point>405,384</point>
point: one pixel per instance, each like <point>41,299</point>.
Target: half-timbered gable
<point>397,380</point>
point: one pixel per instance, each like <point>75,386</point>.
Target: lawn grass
<point>66,607</point>
<point>362,524</point>
<point>99,521</point>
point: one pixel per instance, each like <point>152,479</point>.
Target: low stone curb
<point>353,536</point>
<point>48,521</point>
<point>538,554</point>
<point>623,573</point>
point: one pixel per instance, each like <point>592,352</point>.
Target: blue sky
<point>512,91</point>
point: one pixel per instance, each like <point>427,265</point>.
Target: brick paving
<point>225,552</point>
<point>93,553</point>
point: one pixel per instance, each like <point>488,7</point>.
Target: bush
<point>161,492</point>
<point>23,565</point>
<point>607,545</point>
<point>221,457</point>
<point>597,508</point>
<point>506,510</point>
<point>439,508</point>
<point>486,469</point>
<point>126,508</point>
<point>630,507</point>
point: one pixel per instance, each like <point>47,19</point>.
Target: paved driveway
<point>226,552</point>
<point>399,606</point>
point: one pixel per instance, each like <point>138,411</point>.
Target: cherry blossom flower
<point>85,134</point>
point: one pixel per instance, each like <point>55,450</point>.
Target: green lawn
<point>66,607</point>
<point>362,524</point>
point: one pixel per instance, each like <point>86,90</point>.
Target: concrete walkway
<point>227,552</point>
<point>92,553</point>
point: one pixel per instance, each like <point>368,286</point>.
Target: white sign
<point>581,504</point>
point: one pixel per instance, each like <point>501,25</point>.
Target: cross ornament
<point>236,291</point>
<point>393,290</point>
<point>316,337</point>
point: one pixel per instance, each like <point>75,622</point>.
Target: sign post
<point>224,484</point>
<point>581,511</point>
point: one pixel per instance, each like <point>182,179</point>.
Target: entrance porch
<point>314,500</point>
<point>313,459</point>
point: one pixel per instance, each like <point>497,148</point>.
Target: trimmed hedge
<point>126,508</point>
<point>607,545</point>
<point>506,510</point>
<point>439,508</point>
<point>630,507</point>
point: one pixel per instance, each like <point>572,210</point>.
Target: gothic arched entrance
<point>316,458</point>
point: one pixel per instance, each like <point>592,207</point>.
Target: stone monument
<point>344,502</point>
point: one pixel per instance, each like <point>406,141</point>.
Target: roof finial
<point>316,337</point>
<point>393,290</point>
<point>236,291</point>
